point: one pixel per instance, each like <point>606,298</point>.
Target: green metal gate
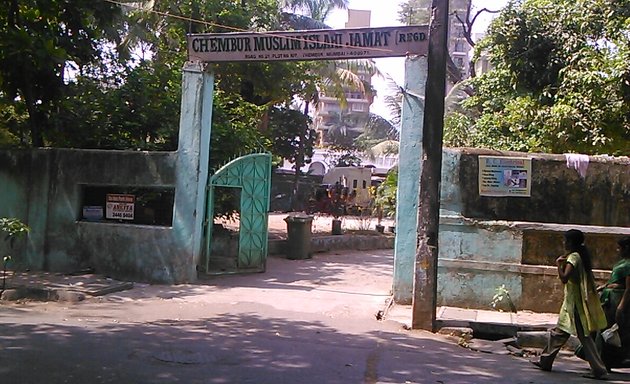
<point>252,174</point>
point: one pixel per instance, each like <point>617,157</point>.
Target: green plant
<point>385,197</point>
<point>13,228</point>
<point>502,295</point>
<point>364,219</point>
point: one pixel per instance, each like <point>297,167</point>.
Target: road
<point>302,321</point>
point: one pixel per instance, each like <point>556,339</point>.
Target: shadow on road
<point>246,348</point>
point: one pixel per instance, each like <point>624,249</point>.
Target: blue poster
<point>505,176</point>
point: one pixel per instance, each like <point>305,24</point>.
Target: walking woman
<point>615,298</point>
<point>581,313</point>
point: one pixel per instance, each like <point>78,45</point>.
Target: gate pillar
<point>193,152</point>
<point>409,163</point>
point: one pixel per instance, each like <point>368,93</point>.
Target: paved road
<point>302,321</point>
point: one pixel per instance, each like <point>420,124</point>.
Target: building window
<point>358,107</point>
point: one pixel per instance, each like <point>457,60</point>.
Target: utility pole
<point>425,275</point>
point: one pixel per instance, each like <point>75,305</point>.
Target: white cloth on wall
<point>578,162</point>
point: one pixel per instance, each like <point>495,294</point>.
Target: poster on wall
<point>505,176</point>
<point>119,207</point>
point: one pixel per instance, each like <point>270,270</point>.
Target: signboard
<point>93,212</point>
<point>120,207</point>
<point>505,176</point>
<point>319,44</point>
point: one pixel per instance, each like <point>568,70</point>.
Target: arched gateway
<point>411,42</point>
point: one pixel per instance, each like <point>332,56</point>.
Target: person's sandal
<point>603,376</point>
<point>539,365</point>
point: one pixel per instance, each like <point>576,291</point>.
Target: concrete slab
<point>462,314</point>
<point>47,286</point>
<point>495,317</point>
<point>481,321</point>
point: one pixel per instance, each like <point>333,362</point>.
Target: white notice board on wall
<point>119,206</point>
<point>505,176</point>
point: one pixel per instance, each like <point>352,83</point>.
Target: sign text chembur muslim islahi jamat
<point>320,44</point>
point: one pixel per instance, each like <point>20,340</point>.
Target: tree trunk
<point>34,120</point>
<point>299,162</point>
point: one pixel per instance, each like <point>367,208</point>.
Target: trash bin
<point>298,236</point>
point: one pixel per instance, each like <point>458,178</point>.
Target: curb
<point>15,293</point>
<point>320,244</point>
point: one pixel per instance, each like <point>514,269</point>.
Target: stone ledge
<point>510,268</point>
<point>320,244</point>
<point>495,225</point>
<point>58,288</point>
<point>41,294</point>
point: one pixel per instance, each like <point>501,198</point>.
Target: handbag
<point>611,336</point>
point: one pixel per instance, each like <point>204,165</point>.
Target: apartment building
<point>345,121</point>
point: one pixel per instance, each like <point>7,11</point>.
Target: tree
<point>137,108</point>
<point>290,134</point>
<point>333,78</point>
<point>463,15</point>
<point>466,19</point>
<point>348,159</point>
<point>561,81</point>
<point>377,130</point>
<point>39,41</point>
<point>343,128</point>
<point>12,119</point>
<point>315,9</point>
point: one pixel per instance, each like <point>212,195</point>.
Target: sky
<point>384,14</point>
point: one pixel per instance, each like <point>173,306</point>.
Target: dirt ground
<point>321,225</point>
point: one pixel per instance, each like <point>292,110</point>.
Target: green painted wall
<point>42,187</point>
<point>484,243</point>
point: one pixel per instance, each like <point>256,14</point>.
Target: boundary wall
<point>486,242</point>
<point>42,187</point>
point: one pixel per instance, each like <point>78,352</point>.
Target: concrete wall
<point>282,190</point>
<point>486,242</point>
<point>42,187</point>
<point>559,194</point>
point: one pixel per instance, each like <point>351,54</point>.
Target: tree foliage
<point>315,9</point>
<point>39,41</point>
<point>234,129</point>
<point>561,80</point>
<point>377,130</point>
<point>136,108</point>
<point>124,92</point>
<point>386,194</point>
<point>462,16</point>
<point>291,134</point>
<point>348,159</point>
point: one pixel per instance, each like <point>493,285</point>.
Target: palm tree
<point>333,78</point>
<point>315,9</point>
